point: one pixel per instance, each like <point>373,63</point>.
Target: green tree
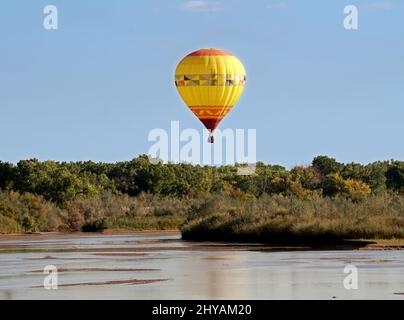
<point>326,165</point>
<point>7,175</point>
<point>395,177</point>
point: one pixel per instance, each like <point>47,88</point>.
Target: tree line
<point>88,196</point>
<point>61,182</point>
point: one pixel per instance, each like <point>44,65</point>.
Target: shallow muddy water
<point>161,266</point>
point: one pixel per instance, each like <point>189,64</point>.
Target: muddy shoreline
<point>376,244</point>
<point>42,235</point>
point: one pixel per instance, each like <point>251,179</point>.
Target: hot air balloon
<point>210,81</point>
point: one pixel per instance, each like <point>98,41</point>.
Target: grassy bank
<point>26,212</point>
<point>325,201</point>
<point>280,219</point>
<point>226,216</point>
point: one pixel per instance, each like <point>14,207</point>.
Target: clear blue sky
<point>95,88</point>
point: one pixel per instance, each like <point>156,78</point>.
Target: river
<point>162,266</point>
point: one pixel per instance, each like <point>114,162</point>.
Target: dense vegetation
<point>327,199</point>
<point>280,219</point>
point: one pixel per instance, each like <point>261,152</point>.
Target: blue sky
<point>94,88</point>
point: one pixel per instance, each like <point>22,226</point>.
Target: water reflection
<point>193,270</point>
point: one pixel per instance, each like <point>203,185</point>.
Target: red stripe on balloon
<point>209,52</point>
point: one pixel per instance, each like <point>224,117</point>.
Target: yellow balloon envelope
<point>210,81</point>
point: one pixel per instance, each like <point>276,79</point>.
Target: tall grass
<point>288,219</point>
<point>32,213</point>
<point>229,215</point>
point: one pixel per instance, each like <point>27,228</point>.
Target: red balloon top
<point>210,52</point>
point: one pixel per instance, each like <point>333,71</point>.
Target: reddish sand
<point>52,235</point>
<point>130,281</point>
<point>121,254</point>
<point>97,269</point>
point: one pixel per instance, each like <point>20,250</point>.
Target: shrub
<point>95,226</point>
<point>9,225</point>
<point>290,219</point>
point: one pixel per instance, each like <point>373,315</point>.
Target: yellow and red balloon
<point>210,81</point>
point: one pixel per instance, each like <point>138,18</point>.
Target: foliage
<point>62,182</point>
<point>289,219</point>
<point>95,226</point>
<point>136,194</point>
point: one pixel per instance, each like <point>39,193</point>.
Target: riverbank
<point>109,232</point>
<point>228,217</point>
<point>360,244</point>
<point>291,220</point>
